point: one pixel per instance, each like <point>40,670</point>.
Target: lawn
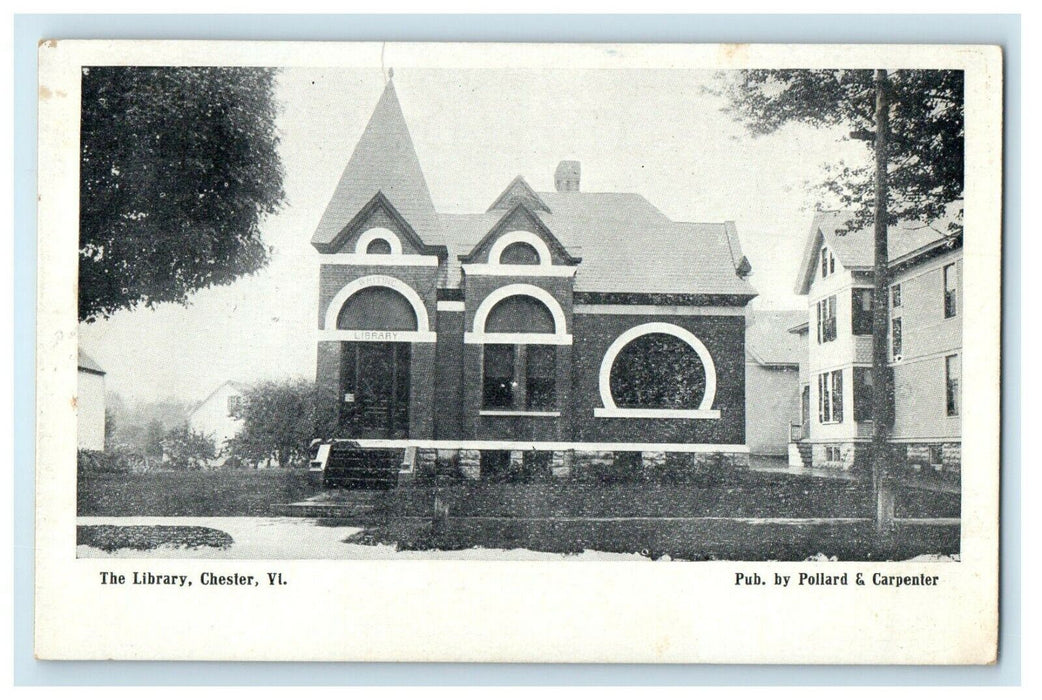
<point>748,494</point>
<point>192,493</point>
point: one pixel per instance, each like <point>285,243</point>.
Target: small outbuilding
<point>772,383</point>
<point>90,403</point>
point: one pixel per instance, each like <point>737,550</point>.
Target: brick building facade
<point>555,333</point>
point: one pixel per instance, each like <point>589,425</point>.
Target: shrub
<point>185,448</point>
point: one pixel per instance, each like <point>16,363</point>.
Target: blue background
<point>1002,30</point>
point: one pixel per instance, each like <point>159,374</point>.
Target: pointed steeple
<point>383,161</point>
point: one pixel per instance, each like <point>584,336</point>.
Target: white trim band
<point>587,446</point>
<point>537,414</point>
<point>451,306</point>
<point>470,338</point>
<point>407,260</point>
<point>360,336</point>
<point>671,413</point>
<point>654,310</point>
<point>519,270</point>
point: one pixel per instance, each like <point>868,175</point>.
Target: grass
<point>749,494</point>
<point>690,540</point>
<point>145,537</point>
<point>201,493</point>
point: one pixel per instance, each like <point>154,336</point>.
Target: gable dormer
<point>517,192</point>
<point>520,244</point>
<point>379,234</point>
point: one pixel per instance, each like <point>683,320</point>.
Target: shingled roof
<point>626,244</point>
<point>87,363</point>
<point>383,161</point>
<point>854,249</point>
<point>768,341</point>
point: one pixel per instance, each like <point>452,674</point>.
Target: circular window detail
<point>658,371</point>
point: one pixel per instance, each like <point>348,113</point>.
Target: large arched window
<point>377,308</point>
<point>657,370</point>
<point>519,333</point>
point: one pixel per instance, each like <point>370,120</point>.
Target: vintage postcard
<point>580,353</point>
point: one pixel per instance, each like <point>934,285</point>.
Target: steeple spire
<point>384,160</point>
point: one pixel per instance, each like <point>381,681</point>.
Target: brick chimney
<point>566,177</point>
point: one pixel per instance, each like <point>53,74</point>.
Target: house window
<point>895,296</point>
<point>234,402</point>
<point>828,263</point>
<point>950,291</point>
<point>540,384</point>
<point>827,319</point>
<point>861,311</point>
<point>830,397</point>
<point>895,338</point>
<point>862,393</point>
<point>520,377</point>
<point>951,381</point>
<point>936,456</point>
<point>498,384</point>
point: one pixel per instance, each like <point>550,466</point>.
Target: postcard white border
<point>467,611</point>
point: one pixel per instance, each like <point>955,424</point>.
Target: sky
<point>654,132</point>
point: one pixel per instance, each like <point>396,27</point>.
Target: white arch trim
<point>496,253</point>
<point>381,234</point>
<point>422,334</point>
<point>560,336</point>
<point>610,410</point>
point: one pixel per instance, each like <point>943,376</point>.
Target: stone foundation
<point>581,465</point>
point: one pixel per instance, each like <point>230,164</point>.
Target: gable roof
<point>521,208</point>
<point>519,191</point>
<point>626,245</point>
<point>855,249</point>
<point>238,386</point>
<point>87,363</point>
<point>384,160</point>
<point>769,342</point>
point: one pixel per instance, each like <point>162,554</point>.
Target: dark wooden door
<point>374,390</point>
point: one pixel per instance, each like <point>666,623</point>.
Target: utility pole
<point>882,383</point>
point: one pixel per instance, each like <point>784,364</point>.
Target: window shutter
<point>837,396</point>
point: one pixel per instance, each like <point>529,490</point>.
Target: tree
<point>185,448</point>
<point>915,121</point>
<point>924,152</point>
<point>278,422</point>
<point>178,168</point>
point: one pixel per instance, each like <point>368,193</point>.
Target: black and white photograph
<point>595,305</point>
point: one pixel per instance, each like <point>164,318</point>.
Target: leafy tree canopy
<point>925,151</point>
<point>278,421</point>
<point>178,168</point>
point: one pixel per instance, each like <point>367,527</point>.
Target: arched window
<point>377,308</point>
<point>658,371</point>
<point>520,314</point>
<point>519,253</point>
<point>378,246</point>
<point>520,376</point>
